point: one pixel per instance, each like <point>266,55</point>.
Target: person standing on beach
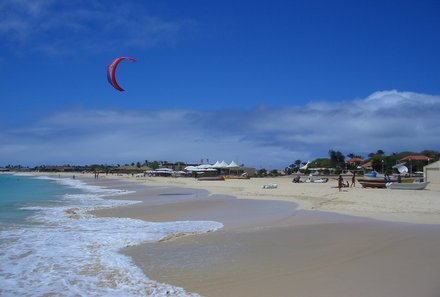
<point>340,182</point>
<point>353,180</point>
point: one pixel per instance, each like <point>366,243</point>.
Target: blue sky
<point>260,82</point>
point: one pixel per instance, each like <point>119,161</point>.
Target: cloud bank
<point>262,137</point>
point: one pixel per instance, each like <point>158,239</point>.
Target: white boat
<point>270,186</point>
<point>408,186</point>
<point>316,180</point>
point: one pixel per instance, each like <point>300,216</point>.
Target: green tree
<point>321,163</point>
<point>273,172</point>
<point>434,155</point>
<point>352,155</point>
<point>379,153</point>
<point>261,172</point>
<point>337,159</point>
<point>154,165</point>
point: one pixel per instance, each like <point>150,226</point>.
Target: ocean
<point>50,245</point>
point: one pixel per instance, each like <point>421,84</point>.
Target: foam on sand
<point>66,251</point>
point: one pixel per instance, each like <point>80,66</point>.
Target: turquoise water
<point>18,192</point>
<point>50,244</point>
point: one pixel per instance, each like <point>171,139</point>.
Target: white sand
<point>411,206</point>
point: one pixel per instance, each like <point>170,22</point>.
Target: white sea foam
<point>75,183</point>
<point>20,173</point>
<point>69,252</point>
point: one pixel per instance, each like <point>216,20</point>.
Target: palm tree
<point>337,158</point>
<point>154,165</point>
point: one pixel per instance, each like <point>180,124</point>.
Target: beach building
<point>59,168</point>
<point>356,161</point>
<point>432,172</point>
<point>414,161</point>
<point>368,165</point>
<point>222,168</point>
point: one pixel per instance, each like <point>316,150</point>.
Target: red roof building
<point>416,158</point>
<point>355,160</point>
<point>368,165</point>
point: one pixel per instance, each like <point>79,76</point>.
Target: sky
<point>263,83</point>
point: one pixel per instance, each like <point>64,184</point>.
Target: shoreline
<point>272,247</point>
<point>406,206</point>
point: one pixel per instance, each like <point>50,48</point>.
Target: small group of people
<point>341,183</point>
<point>296,179</point>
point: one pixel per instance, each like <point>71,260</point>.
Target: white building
<point>432,172</point>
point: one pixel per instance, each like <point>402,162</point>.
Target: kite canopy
<point>111,72</point>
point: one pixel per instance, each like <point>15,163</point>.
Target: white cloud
<point>55,27</point>
<point>392,121</point>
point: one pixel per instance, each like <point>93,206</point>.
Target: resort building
<point>432,172</point>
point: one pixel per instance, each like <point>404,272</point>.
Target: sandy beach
<point>421,207</point>
<point>295,240</point>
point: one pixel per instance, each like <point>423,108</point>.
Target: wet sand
<point>330,259</point>
<point>270,248</point>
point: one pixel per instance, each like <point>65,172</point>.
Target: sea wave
<point>66,251</point>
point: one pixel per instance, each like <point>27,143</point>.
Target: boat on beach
<point>377,180</point>
<point>316,180</point>
<point>373,184</point>
<point>407,186</point>
<point>217,177</point>
<point>269,186</point>
<point>243,176</point>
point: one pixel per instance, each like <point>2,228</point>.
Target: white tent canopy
<point>216,165</point>
<point>233,165</point>
<point>208,167</point>
<point>223,164</point>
